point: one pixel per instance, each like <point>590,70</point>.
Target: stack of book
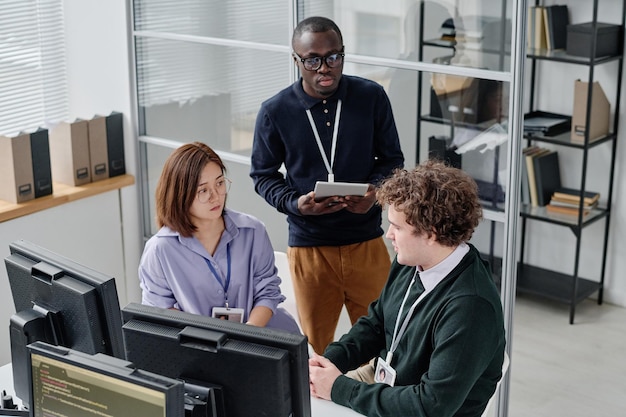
<point>567,201</point>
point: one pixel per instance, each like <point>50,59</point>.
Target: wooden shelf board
<point>62,193</point>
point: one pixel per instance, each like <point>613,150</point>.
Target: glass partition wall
<point>452,70</point>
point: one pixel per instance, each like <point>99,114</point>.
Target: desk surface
<point>319,408</point>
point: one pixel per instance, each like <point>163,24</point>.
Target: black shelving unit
<point>491,201</point>
<point>558,286</point>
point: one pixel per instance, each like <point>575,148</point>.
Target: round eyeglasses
<point>315,62</point>
<point>222,186</point>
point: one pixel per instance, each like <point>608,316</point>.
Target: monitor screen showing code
<point>61,389</point>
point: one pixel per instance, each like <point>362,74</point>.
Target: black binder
<point>40,154</point>
<point>115,144</point>
<point>546,123</point>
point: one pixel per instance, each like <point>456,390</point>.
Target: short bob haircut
<point>178,185</point>
<point>436,199</point>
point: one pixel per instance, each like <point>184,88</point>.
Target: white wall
<point>100,81</point>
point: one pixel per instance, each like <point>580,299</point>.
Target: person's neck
<point>209,233</point>
<point>438,255</point>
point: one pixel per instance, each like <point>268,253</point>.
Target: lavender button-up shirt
<point>173,271</point>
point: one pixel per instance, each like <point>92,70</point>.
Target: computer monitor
<point>59,302</point>
<point>259,371</point>
<point>65,382</point>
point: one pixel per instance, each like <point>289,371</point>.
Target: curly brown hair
<point>178,185</point>
<point>435,198</point>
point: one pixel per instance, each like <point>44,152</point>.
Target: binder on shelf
<point>115,144</point>
<point>600,112</point>
<point>16,169</point>
<point>106,146</point>
<point>546,123</point>
<point>547,176</point>
<point>69,153</point>
<point>98,155</point>
<point>40,153</point>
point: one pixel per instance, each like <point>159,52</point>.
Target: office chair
<point>505,368</point>
<point>286,286</point>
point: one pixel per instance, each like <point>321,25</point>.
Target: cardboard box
<point>16,169</point>
<point>466,99</point>
<point>600,112</point>
<point>69,153</point>
<point>580,38</point>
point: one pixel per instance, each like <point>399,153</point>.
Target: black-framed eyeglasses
<point>222,186</point>
<point>315,62</point>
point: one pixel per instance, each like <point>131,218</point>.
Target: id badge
<point>385,374</point>
<point>227,313</point>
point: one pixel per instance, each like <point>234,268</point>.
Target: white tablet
<point>325,189</point>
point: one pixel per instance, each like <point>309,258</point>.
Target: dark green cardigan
<point>449,360</point>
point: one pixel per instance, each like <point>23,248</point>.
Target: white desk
<point>323,408</point>
<point>319,408</point>
<point>6,382</point>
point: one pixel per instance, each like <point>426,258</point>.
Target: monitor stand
<point>25,327</point>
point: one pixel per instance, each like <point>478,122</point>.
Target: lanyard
<point>333,148</point>
<point>397,334</point>
<point>217,276</point>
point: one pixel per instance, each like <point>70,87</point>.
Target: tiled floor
<point>558,369</point>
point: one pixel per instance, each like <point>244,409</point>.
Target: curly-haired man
<point>437,328</point>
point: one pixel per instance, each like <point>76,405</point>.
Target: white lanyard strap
<point>398,333</point>
<point>333,147</point>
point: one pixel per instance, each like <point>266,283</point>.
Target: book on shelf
<point>547,176</point>
<point>570,211</point>
<point>556,202</point>
<point>536,28</point>
<point>525,196</point>
<point>572,195</point>
<point>530,170</point>
<point>556,18</point>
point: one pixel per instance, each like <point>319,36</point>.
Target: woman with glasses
<point>207,259</point>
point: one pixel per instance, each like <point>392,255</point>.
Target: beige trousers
<point>327,277</point>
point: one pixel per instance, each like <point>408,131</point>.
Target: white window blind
<point>33,77</point>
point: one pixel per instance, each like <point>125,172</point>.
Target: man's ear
<point>432,238</point>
